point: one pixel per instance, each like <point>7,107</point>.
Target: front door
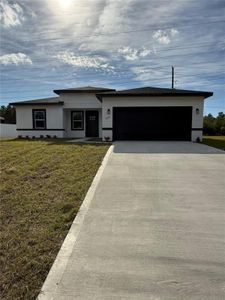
<point>91,123</point>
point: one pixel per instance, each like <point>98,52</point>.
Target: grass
<point>43,184</point>
<point>214,141</point>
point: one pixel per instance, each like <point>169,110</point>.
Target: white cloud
<point>165,36</point>
<point>15,59</point>
<point>144,52</point>
<point>129,53</point>
<point>114,13</point>
<point>11,14</point>
<point>133,54</point>
<point>83,61</point>
<point>174,32</point>
<point>161,37</point>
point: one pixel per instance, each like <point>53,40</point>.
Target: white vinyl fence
<point>7,131</point>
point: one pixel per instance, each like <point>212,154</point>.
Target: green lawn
<point>43,184</point>
<point>214,141</point>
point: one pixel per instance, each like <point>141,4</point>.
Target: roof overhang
<point>35,103</point>
<point>118,94</point>
<point>70,91</point>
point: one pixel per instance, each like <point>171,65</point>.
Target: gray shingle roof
<point>44,101</point>
<point>154,91</point>
<point>84,89</point>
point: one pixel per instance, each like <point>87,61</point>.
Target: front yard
<point>43,184</point>
<point>214,141</point>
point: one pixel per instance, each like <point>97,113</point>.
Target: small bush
<point>107,138</point>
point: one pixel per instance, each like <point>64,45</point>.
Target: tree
<point>8,113</point>
<point>214,126</point>
<point>209,125</point>
<point>220,123</point>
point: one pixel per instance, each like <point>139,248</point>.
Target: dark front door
<point>91,123</point>
<point>152,123</point>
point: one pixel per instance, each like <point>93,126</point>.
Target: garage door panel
<point>152,123</point>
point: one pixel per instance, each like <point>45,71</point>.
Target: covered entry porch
<point>82,123</point>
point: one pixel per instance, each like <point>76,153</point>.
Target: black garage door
<point>152,123</point>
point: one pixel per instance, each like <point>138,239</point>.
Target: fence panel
<point>8,131</point>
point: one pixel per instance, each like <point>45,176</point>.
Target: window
<point>39,118</point>
<point>77,120</point>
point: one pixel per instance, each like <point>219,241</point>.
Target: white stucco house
<point>137,114</point>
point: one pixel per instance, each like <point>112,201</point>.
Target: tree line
<point>214,125</point>
<point>8,113</point>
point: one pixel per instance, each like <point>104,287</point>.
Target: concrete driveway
<point>154,229</point>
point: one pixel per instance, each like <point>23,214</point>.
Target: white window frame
<point>35,120</point>
<point>77,120</point>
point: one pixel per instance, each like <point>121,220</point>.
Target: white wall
<point>80,100</point>
<point>8,131</point>
<point>58,116</point>
<point>39,133</point>
<point>195,102</point>
<point>54,120</point>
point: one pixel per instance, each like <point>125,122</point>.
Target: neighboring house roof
<point>45,101</point>
<point>154,91</point>
<point>85,89</point>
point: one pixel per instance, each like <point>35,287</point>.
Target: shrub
<point>107,138</point>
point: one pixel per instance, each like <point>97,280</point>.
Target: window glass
<point>39,114</point>
<point>78,115</point>
<point>77,120</point>
<point>40,124</point>
<point>39,119</point>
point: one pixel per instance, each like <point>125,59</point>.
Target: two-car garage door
<point>152,123</point>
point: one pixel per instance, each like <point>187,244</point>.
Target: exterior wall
<point>39,133</point>
<point>54,121</point>
<point>110,102</point>
<point>196,134</point>
<point>7,131</point>
<point>80,101</point>
<point>69,133</point>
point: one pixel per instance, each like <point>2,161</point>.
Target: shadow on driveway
<point>169,147</point>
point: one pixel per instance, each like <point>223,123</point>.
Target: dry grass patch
<point>43,184</point>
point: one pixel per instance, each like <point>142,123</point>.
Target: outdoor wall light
<point>197,111</point>
<point>108,111</point>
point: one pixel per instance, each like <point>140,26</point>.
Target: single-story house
<point>146,113</point>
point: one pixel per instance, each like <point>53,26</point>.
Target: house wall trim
<point>32,129</point>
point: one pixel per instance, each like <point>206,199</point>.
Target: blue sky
<point>50,44</point>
